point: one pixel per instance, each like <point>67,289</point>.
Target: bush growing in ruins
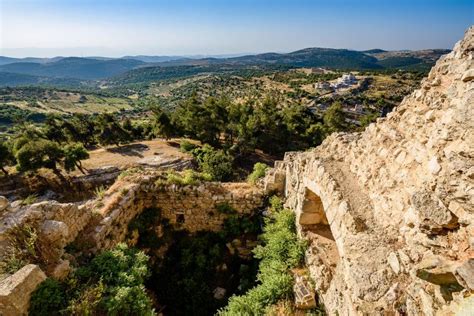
<point>112,284</point>
<point>145,224</point>
<point>281,252</point>
<point>187,177</point>
<point>22,248</point>
<point>258,172</point>
<point>216,163</point>
<point>100,191</point>
<point>48,299</point>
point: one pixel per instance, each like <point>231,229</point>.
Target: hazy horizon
<point>50,28</point>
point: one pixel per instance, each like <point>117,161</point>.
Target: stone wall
<point>389,212</point>
<point>191,207</point>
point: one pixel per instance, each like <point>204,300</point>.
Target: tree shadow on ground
<point>130,150</point>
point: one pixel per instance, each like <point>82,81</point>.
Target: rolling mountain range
<point>30,71</point>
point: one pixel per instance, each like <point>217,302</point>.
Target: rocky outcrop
<point>389,212</point>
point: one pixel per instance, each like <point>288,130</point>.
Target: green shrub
<point>258,172</point>
<point>111,284</point>
<point>48,299</point>
<point>235,225</point>
<point>88,301</point>
<point>216,163</point>
<point>30,199</point>
<point>186,146</point>
<point>187,177</point>
<point>281,252</point>
<point>100,191</point>
<point>22,248</point>
<point>37,154</point>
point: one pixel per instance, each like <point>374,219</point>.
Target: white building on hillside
<point>345,81</point>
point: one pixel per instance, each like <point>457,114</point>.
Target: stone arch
<point>315,225</point>
<point>312,212</point>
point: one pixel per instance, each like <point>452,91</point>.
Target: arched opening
<point>315,225</point>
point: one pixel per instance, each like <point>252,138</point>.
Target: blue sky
<point>159,27</point>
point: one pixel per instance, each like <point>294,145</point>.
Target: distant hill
<point>10,60</point>
<point>406,59</point>
<point>373,51</point>
<point>73,67</point>
<point>158,73</point>
<point>309,57</point>
<point>154,59</point>
<point>314,57</point>
<point>15,79</point>
<point>143,68</point>
<point>328,58</point>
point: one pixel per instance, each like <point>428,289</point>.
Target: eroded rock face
<point>396,230</point>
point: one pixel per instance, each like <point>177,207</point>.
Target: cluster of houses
<point>346,81</point>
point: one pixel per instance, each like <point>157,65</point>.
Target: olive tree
<point>73,154</point>
<point>37,154</point>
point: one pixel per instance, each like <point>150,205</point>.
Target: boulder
<point>15,290</point>
<point>432,214</point>
<point>54,231</point>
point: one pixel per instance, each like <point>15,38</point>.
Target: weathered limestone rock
<point>437,271</point>
<point>388,213</point>
<point>62,270</point>
<point>3,203</point>
<point>15,290</point>
<point>433,216</point>
<point>465,274</point>
<point>54,231</point>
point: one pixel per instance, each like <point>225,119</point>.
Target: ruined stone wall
<point>191,207</point>
<point>389,212</point>
<point>103,222</point>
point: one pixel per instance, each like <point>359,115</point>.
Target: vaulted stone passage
<point>313,210</point>
<point>316,226</point>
